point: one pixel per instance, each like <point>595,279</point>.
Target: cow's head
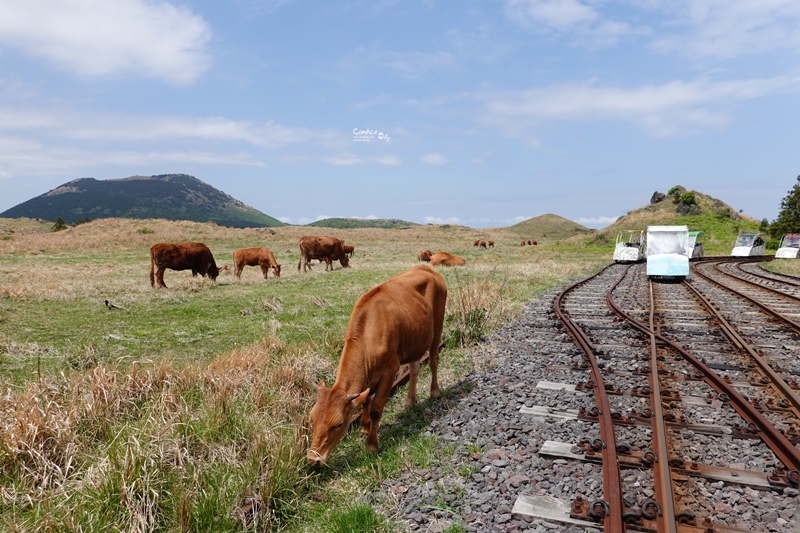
<point>331,417</point>
<point>344,260</point>
<point>213,271</point>
<point>276,269</point>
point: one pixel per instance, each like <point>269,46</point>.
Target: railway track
<point>686,397</point>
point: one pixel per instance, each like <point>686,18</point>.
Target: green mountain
<point>350,223</point>
<point>166,196</point>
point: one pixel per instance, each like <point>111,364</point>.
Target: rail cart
<point>696,248</point>
<point>789,248</point>
<point>668,252</point>
<point>631,246</point>
<point>749,244</point>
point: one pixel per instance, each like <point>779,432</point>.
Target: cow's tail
<point>152,269</point>
<point>300,256</point>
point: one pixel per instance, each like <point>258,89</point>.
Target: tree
<point>59,224</point>
<point>788,220</point>
<point>676,192</point>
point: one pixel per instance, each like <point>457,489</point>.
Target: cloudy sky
<point>475,112</point>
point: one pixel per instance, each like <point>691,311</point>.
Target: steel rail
<point>666,520</point>
<point>777,382</point>
<point>612,479</point>
<point>793,281</point>
<point>794,325</point>
<point>777,442</point>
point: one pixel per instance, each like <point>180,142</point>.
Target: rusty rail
<point>666,521</point>
<point>612,509</point>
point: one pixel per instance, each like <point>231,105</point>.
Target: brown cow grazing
<point>491,244</point>
<point>532,243</point>
<point>194,256</point>
<point>476,243</point>
<point>392,324</point>
<point>258,256</point>
<point>445,259</point>
<point>348,250</point>
<point>326,249</point>
<point>522,243</point>
<point>482,244</point>
<point>424,255</point>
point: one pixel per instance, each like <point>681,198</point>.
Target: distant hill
<point>350,223</point>
<point>549,228</point>
<point>166,196</point>
<point>719,222</point>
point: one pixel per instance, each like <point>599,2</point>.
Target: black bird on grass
<point>112,306</point>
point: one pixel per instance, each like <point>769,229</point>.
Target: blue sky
<point>482,113</point>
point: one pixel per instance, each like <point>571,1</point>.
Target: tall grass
<point>205,447</point>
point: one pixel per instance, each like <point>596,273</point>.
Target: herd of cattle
<point>392,324</point>
<point>197,257</point>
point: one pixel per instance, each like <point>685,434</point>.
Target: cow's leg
<point>378,403</point>
<point>366,421</point>
<point>413,374</point>
<point>160,278</point>
<point>433,364</point>
<point>237,272</point>
<point>264,271</point>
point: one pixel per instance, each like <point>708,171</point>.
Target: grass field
<point>183,409</point>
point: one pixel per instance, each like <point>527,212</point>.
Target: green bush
<point>59,225</point>
<point>688,198</point>
<point>675,193</point>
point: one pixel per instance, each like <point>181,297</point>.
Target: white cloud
<point>724,29</point>
<point>597,222</point>
<point>388,160</point>
<point>579,20</point>
<point>442,220</point>
<point>152,39</point>
<point>694,28</point>
<point>676,107</point>
<point>87,126</point>
<point>434,158</point>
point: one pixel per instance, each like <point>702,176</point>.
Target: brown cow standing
<point>482,244</point>
<point>181,256</point>
<point>258,256</point>
<point>392,324</point>
<point>424,255</point>
<point>445,259</point>
<point>491,244</point>
<point>326,249</point>
<point>348,250</point>
<point>476,243</point>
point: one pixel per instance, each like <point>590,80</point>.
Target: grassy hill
<point>351,223</point>
<point>549,228</point>
<point>719,222</point>
<point>166,196</point>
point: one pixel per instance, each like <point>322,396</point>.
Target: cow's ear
<point>321,385</point>
<point>360,399</point>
